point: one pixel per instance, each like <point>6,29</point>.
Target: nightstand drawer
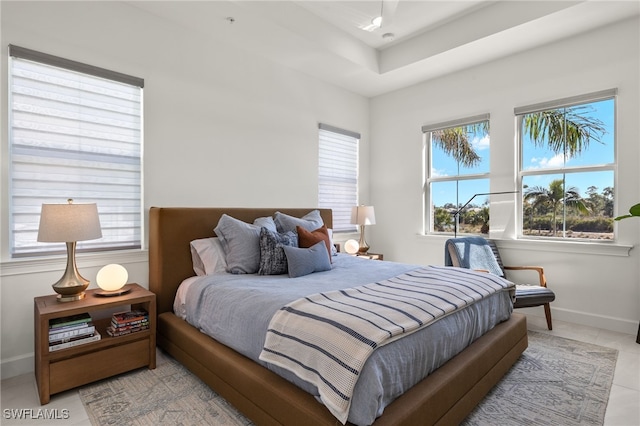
<point>80,370</point>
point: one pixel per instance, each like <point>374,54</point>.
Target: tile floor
<point>623,408</point>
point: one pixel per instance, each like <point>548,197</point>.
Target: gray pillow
<point>310,221</point>
<point>241,244</point>
<point>273,261</point>
<point>267,222</point>
<point>304,261</point>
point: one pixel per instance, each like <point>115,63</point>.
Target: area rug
<point>555,382</point>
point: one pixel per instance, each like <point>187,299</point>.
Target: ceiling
<point>402,18</point>
<point>431,38</point>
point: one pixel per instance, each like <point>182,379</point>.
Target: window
<point>457,172</point>
<point>75,131</point>
<point>567,167</point>
<point>338,174</point>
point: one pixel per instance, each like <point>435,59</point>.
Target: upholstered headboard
<point>171,229</point>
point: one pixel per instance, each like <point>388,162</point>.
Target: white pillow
<point>334,250</point>
<point>208,256</point>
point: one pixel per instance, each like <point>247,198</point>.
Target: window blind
<point>455,123</point>
<point>338,174</point>
<point>73,135</point>
<point>566,102</point>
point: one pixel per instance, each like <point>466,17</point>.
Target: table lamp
<point>363,215</point>
<point>69,223</point>
<point>111,280</point>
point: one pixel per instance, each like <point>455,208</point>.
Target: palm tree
<point>555,196</point>
<point>564,130</point>
<point>455,142</point>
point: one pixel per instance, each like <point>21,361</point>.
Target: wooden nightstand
<point>372,256</point>
<point>68,368</point>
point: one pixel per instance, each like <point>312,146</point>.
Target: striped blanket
<point>326,338</point>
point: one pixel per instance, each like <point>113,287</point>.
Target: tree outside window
<point>457,156</point>
<point>567,170</point>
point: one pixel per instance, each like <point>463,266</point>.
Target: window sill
<point>577,247</point>
<point>555,246</point>
<point>85,260</point>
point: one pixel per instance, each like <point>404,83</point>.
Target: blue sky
<point>534,158</point>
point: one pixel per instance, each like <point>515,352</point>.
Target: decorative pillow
<point>304,261</point>
<point>310,221</point>
<point>309,238</point>
<point>334,250</point>
<point>208,256</point>
<point>273,261</point>
<point>241,244</point>
<point>267,222</point>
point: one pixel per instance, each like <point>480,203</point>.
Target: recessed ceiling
<point>432,38</point>
<point>404,19</point>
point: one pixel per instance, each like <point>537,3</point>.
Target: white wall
<point>221,127</point>
<point>595,284</point>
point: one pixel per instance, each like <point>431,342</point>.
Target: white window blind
<point>338,174</point>
<point>73,134</point>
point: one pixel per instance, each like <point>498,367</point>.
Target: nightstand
<point>372,256</point>
<point>68,368</point>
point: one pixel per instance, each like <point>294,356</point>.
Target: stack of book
<point>71,331</point>
<point>128,322</point>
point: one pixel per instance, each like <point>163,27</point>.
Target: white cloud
<point>480,144</point>
<point>558,160</point>
<point>438,173</point>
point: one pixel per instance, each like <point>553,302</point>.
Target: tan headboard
<point>171,229</point>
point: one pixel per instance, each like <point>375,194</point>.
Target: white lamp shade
<point>363,215</point>
<point>66,223</point>
<point>351,246</point>
<point>112,277</point>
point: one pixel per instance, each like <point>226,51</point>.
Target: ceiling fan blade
<point>388,11</point>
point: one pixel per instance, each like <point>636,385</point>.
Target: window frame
<point>341,210</point>
<point>37,250</point>
<point>427,130</point>
<point>584,99</point>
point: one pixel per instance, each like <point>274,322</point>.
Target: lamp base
<point>107,293</point>
<point>363,247</point>
<point>72,285</point>
<point>72,298</point>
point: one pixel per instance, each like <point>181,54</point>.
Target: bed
<point>445,396</point>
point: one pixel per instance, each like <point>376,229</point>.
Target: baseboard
<point>619,325</point>
<point>17,366</point>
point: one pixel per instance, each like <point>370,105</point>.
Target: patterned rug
<point>167,395</point>
<point>555,382</point>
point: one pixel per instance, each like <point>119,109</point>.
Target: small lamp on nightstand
<point>111,278</point>
<point>69,223</point>
<point>351,246</point>
<point>363,215</point>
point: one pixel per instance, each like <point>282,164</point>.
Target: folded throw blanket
<point>326,338</point>
<point>472,253</point>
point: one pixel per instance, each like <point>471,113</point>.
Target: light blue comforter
<point>236,311</point>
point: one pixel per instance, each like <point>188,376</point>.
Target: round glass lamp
<point>351,246</point>
<point>111,280</point>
